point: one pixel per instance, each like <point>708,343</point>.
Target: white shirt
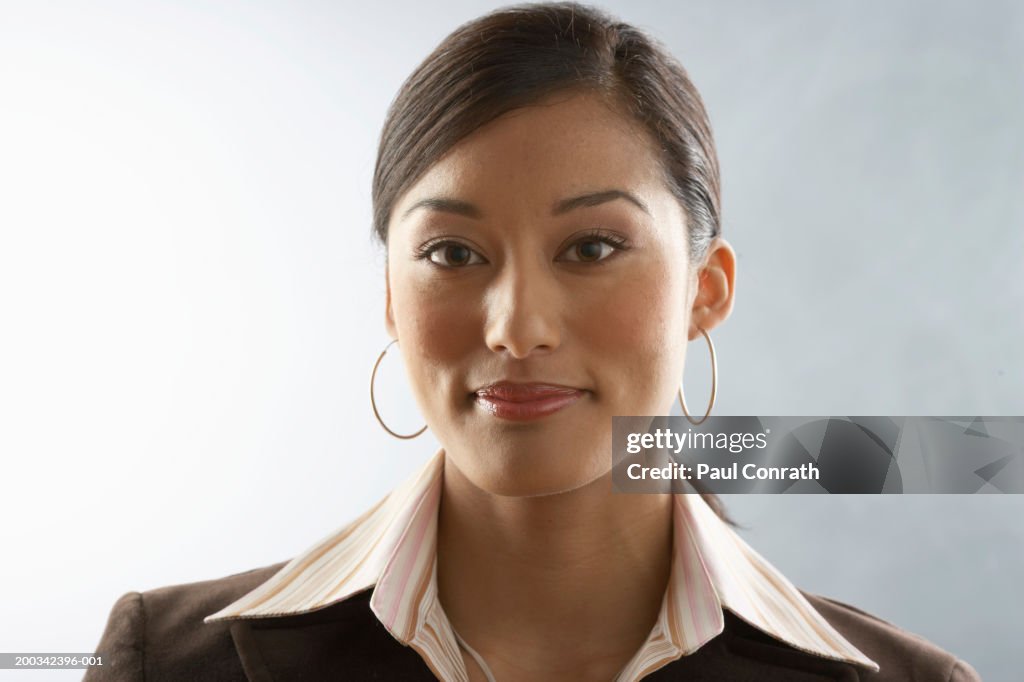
<point>392,548</point>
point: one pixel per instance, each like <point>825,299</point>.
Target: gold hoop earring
<point>373,401</point>
<point>714,383</point>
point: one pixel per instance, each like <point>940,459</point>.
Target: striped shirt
<point>392,548</point>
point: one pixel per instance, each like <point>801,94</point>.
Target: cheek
<point>639,337</point>
<point>436,331</point>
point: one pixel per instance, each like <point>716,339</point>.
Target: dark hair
<point>518,55</point>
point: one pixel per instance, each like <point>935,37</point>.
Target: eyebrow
<point>468,210</point>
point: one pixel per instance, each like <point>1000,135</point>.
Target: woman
<point>548,194</point>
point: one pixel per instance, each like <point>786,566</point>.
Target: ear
<point>716,281</point>
<point>389,315</point>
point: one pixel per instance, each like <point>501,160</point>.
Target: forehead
<point>544,152</point>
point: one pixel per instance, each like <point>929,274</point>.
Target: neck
<point>519,576</point>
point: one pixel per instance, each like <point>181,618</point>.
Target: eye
<point>450,254</point>
<point>593,247</point>
<point>588,250</point>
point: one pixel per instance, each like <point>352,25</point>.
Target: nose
<point>523,315</point>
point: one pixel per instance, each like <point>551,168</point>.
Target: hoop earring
<point>373,401</point>
<point>714,384</point>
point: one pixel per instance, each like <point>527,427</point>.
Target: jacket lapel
<point>743,652</point>
<point>342,641</point>
<point>346,641</point>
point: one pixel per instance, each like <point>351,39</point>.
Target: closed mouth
<point>521,402</point>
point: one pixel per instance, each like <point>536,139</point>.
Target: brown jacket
<point>160,635</point>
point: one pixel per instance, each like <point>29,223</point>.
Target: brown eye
<point>456,254</point>
<point>453,255</point>
<point>589,250</point>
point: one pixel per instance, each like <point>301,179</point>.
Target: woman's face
<point>538,284</point>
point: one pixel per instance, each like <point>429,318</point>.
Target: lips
<point>523,402</point>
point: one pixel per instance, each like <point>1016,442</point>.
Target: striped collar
<point>392,548</point>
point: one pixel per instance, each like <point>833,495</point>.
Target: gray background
<point>191,304</point>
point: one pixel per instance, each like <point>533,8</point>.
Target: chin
<point>531,472</point>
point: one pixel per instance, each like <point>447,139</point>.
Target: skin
<point>530,537</point>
